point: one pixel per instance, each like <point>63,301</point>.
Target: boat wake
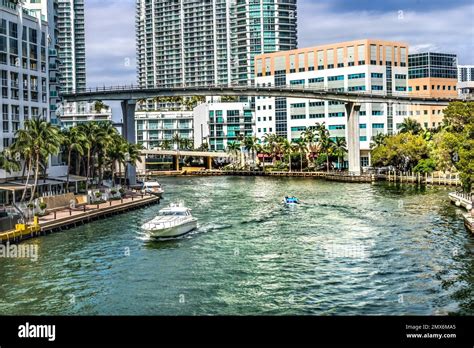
<point>211,227</point>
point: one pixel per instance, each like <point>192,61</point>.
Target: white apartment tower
<point>209,42</point>
<point>71,41</point>
<point>23,70</point>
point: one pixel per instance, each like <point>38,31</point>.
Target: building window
<point>356,76</point>
<point>336,78</point>
<point>316,80</point>
<point>298,117</point>
<point>356,88</point>
<point>297,82</point>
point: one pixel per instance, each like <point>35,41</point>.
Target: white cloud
<point>450,30</point>
<point>110,33</point>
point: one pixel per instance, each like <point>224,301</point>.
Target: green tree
<point>251,145</point>
<point>166,144</point>
<point>43,139</point>
<point>403,151</point>
<point>99,106</point>
<point>339,150</point>
<point>410,125</point>
<point>233,148</point>
<point>8,162</point>
<point>301,148</point>
<point>73,140</point>
<point>133,156</point>
<point>378,140</point>
<point>457,140</point>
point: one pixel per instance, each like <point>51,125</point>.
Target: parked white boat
<point>173,221</point>
<point>153,187</point>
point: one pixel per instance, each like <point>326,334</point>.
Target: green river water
<point>348,249</point>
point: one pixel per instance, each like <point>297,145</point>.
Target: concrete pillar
<point>128,112</point>
<point>353,137</point>
<point>209,162</point>
<point>177,162</point>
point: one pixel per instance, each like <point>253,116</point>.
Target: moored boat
<point>153,187</point>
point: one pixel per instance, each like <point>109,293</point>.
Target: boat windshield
<point>174,213</point>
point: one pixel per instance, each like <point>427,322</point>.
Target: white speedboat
<point>173,221</point>
<point>153,187</point>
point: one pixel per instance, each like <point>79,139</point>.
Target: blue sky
<point>426,25</point>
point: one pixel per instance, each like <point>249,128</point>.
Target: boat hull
<point>174,231</point>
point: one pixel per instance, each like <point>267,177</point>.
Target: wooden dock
<point>69,218</point>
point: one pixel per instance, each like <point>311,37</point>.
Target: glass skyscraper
<point>262,26</point>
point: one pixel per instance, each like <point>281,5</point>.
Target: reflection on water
<point>348,249</point>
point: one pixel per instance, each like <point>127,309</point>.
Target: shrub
<point>43,206</point>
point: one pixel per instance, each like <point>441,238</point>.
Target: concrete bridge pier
<point>128,132</point>
<point>353,136</point>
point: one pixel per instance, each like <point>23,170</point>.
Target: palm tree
<point>23,147</point>
<point>340,149</point>
<point>251,145</point>
<point>107,136</point>
<point>233,148</point>
<point>187,144</point>
<point>325,142</point>
<point>116,154</point>
<point>410,125</point>
<point>274,143</point>
<point>301,147</point>
<point>134,154</point>
<point>287,149</point>
<point>90,131</point>
<point>73,140</point>
<point>166,144</point>
<point>177,140</point>
<point>8,163</point>
<point>378,140</point>
<point>204,147</point>
<point>44,140</point>
<point>99,106</point>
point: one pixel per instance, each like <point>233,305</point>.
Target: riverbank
<point>438,179</point>
<point>69,218</point>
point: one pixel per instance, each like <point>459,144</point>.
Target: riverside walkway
<point>69,218</point>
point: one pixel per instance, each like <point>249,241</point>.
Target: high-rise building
<point>379,67</point>
<point>71,42</point>
<point>183,42</point>
<point>23,70</point>
<point>431,75</point>
<point>209,42</point>
<point>466,81</point>
<point>262,26</point>
<point>47,10</point>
